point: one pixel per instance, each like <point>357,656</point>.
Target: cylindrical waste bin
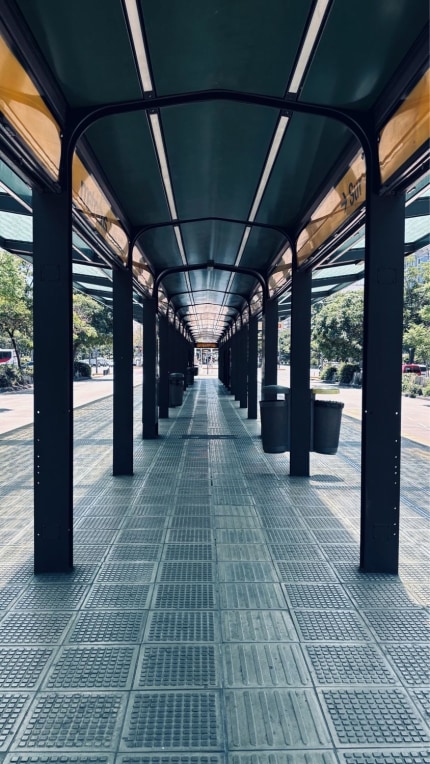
<point>275,419</point>
<point>196,370</point>
<point>327,417</point>
<point>189,375</point>
<point>176,388</point>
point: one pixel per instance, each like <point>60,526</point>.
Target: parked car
<point>411,368</point>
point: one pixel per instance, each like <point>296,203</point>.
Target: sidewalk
<point>216,614</point>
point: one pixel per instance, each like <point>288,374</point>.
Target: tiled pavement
<point>216,614</point>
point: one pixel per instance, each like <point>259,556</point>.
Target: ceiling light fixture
<point>273,153</point>
<point>162,158</point>
<point>139,45</point>
<point>314,27</point>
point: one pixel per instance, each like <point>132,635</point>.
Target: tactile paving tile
<point>94,536</point>
<point>194,521</point>
<point>125,596</point>
<point>310,757</point>
<point>186,571</point>
<point>342,552</point>
<point>58,759</point>
<point>305,571</point>
<point>349,664</point>
<point>379,595</point>
<point>400,625</point>
<point>408,756</point>
<point>33,627</point>
<point>51,597</point>
<point>411,662</point>
<point>89,553</point>
<point>8,596</point>
<point>75,720</point>
<point>284,536</point>
<point>247,571</point>
<point>100,521</point>
<point>199,626</point>
<point>317,596</point>
<point>12,706</point>
<point>91,668</point>
<point>226,536</point>
<point>184,596</point>
<point>144,522</point>
<point>239,552</point>
<point>373,717</point>
<point>173,720</point>
<point>244,595</point>
<point>178,552</point>
<point>181,758</point>
<point>422,698</point>
<point>257,626</point>
<point>331,626</point>
<point>189,536</point>
<point>236,523</point>
<point>276,719</point>
<point>140,536</point>
<point>108,626</point>
<point>130,572</point>
<point>177,666</point>
<point>21,667</point>
<point>264,665</point>
<point>136,552</point>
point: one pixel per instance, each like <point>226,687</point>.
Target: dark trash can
<point>176,388</point>
<point>275,419</point>
<point>189,376</point>
<point>196,370</point>
<point>327,417</point>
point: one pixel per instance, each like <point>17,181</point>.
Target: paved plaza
<point>216,613</point>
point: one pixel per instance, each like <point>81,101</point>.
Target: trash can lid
<point>271,391</point>
<point>329,404</point>
<point>176,375</point>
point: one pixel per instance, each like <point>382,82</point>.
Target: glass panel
<point>407,130</point>
<point>281,273</point>
<point>27,113</point>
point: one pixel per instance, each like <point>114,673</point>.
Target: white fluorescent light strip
<point>276,143</point>
<point>245,238</point>
<point>139,45</point>
<point>308,45</point>
<point>181,250</point>
<point>159,145</point>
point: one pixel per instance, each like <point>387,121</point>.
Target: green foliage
<point>16,319</point>
<point>337,327</point>
<point>410,387</point>
<point>416,313</point>
<point>81,369</point>
<point>92,324</point>
<point>346,372</point>
<point>329,374</point>
<point>11,376</point>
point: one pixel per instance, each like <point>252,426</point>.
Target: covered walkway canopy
<point>216,161</point>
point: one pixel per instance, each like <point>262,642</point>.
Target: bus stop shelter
<point>202,166</point>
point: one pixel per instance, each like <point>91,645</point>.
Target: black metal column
<point>383,326</point>
<point>53,392</point>
<point>252,367</point>
<point>243,367</point>
<point>300,370</point>
<point>163,383</point>
<point>149,392</point>
<point>270,339</point>
<point>123,372</point>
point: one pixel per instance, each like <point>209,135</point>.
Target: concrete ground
<point>216,613</point>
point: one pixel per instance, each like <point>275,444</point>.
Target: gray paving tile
<point>173,720</point>
<point>72,721</point>
<point>182,626</point>
<point>274,719</point>
<point>173,666</point>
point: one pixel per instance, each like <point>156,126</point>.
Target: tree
<point>15,302</point>
<point>416,311</point>
<point>92,324</point>
<point>337,327</point>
